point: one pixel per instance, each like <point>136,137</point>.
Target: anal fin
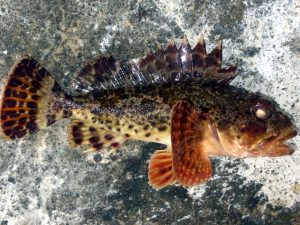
<point>85,133</point>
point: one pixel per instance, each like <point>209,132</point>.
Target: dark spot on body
<point>153,124</point>
<point>75,129</point>
<point>162,170</point>
<point>8,132</point>
<point>50,120</point>
<point>32,90</point>
<point>130,126</point>
<point>92,129</point>
<point>115,145</point>
<point>32,63</point>
<point>19,73</point>
<point>14,82</point>
<point>77,134</point>
<point>147,134</point>
<point>24,61</point>
<point>39,77</point>
<point>43,72</point>
<point>7,92</point>
<point>32,112</point>
<point>10,103</point>
<point>67,113</point>
<point>98,146</point>
<point>162,128</point>
<point>32,105</point>
<point>127,135</point>
<point>35,97</point>
<point>78,140</point>
<point>3,117</point>
<point>205,110</point>
<point>19,131</point>
<point>211,61</point>
<point>36,84</point>
<point>94,139</point>
<point>22,95</point>
<point>11,113</point>
<point>24,86</point>
<point>22,120</point>
<point>108,137</point>
<point>9,123</point>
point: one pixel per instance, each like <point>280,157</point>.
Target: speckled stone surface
<point>43,181</point>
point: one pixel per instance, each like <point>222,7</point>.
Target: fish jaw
<point>270,145</point>
<point>275,145</point>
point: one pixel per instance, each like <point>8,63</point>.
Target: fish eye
<point>262,110</point>
<point>262,114</point>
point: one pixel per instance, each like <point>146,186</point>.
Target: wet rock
<point>43,181</point>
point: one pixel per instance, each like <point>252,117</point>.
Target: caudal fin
<point>26,99</point>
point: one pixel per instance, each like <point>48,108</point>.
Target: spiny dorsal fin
<point>162,66</point>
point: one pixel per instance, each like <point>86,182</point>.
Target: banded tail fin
<point>162,66</point>
<point>26,99</point>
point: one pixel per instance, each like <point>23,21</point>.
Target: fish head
<point>258,127</point>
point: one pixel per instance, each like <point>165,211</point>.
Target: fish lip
<point>284,136</point>
<point>287,134</point>
<point>292,133</point>
<point>275,143</point>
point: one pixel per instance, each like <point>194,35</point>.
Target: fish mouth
<point>275,144</point>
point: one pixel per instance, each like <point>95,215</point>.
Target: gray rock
<point>43,181</point>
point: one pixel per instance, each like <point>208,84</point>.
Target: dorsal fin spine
<point>167,65</point>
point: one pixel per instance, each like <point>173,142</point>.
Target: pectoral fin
<point>191,164</point>
<point>160,172</point>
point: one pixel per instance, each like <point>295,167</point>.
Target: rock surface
<point>43,181</point>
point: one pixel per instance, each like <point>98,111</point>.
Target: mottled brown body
<point>147,110</point>
<point>178,97</point>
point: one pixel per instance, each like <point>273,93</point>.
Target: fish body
<point>178,97</point>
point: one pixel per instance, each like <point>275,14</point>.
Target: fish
<point>181,97</point>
